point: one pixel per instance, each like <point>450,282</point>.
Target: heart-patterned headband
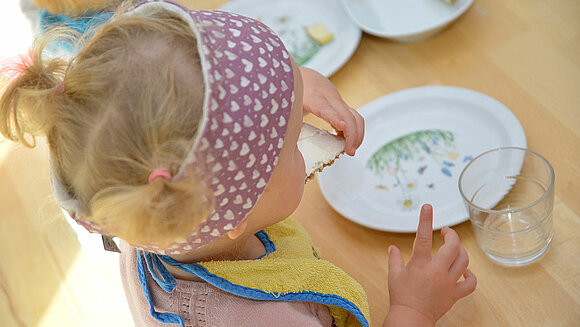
<point>249,91</point>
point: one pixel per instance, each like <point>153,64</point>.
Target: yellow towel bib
<point>291,270</point>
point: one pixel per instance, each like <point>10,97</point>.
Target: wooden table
<point>525,54</point>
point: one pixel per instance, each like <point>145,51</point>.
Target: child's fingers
<point>324,109</point>
<point>449,251</point>
<point>360,127</point>
<point>396,261</point>
<point>466,286</point>
<point>423,239</point>
<point>345,120</point>
<point>459,267</point>
<point>348,124</point>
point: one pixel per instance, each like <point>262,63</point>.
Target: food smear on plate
<point>319,33</point>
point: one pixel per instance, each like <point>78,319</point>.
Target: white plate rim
<point>442,23</point>
<point>500,110</point>
<point>337,62</point>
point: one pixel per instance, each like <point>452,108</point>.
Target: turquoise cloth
<point>83,25</point>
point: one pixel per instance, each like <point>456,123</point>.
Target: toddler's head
<point>209,98</point>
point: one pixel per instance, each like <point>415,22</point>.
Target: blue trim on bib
<point>164,317</point>
<point>256,294</point>
<point>156,268</point>
<point>268,244</point>
<point>167,282</point>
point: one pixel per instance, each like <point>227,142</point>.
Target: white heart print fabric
<point>249,85</point>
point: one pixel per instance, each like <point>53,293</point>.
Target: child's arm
<point>424,289</point>
<point>323,100</point>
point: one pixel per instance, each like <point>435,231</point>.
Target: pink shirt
<point>201,304</point>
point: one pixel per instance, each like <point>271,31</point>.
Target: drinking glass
<point>509,193</point>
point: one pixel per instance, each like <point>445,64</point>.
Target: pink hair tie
<point>159,172</point>
<point>59,88</point>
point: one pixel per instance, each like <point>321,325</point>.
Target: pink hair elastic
<point>59,88</point>
<point>159,172</point>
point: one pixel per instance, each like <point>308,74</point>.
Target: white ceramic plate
<point>417,143</point>
<point>288,18</point>
<point>404,20</point>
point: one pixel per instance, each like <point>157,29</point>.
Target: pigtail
<point>32,95</point>
<point>159,213</point>
<point>111,117</point>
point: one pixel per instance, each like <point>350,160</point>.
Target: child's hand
<point>426,288</point>
<point>323,100</point>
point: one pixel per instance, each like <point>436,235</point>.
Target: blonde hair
<point>132,102</point>
<point>75,7</point>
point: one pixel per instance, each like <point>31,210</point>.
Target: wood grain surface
<point>525,54</point>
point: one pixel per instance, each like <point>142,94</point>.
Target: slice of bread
<point>319,148</point>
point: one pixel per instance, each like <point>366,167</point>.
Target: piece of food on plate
<point>319,33</point>
<point>319,148</point>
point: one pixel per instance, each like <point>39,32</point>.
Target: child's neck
<point>245,247</point>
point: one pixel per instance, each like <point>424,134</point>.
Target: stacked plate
<point>404,20</point>
<point>398,20</point>
<point>290,18</point>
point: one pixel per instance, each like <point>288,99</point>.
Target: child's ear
<point>238,230</point>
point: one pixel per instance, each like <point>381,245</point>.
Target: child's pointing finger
<point>423,239</point>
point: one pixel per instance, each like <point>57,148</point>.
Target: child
<point>80,16</point>
<point>75,7</point>
<point>176,131</point>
